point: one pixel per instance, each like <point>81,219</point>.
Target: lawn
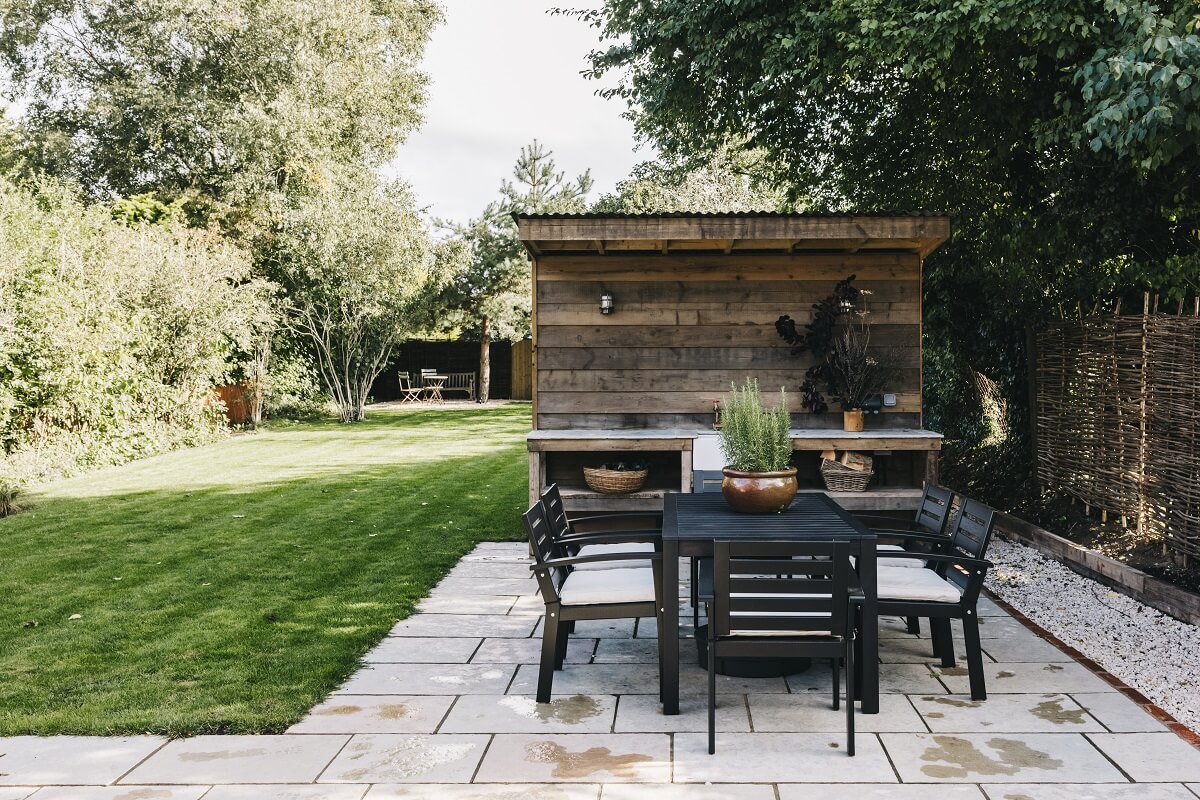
<point>228,588</point>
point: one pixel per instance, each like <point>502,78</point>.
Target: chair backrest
<point>541,543</point>
<point>973,528</point>
<point>706,480</point>
<point>781,587</point>
<point>556,513</point>
<point>934,512</point>
<point>406,383</point>
<point>425,372</point>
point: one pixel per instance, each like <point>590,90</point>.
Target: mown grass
<point>228,588</point>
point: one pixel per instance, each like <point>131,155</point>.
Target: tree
<point>489,291</point>
<point>732,179</point>
<point>220,101</point>
<point>1059,133</point>
<point>355,261</point>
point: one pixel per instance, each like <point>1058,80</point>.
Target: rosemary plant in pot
<point>757,444</point>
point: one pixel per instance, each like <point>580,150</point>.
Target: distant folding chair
<point>409,393</point>
<point>782,600</point>
<point>572,593</point>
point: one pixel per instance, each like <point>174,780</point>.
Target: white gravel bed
<point>1156,654</point>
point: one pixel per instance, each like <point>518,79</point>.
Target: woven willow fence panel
<point>1118,420</point>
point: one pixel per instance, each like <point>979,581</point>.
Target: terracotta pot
<point>852,420</point>
<point>758,492</point>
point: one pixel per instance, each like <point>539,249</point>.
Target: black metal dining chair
<point>782,600</point>
<point>571,593</point>
<point>702,481</point>
<point>596,535</point>
<point>947,588</point>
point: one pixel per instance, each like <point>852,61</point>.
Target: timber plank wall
<point>686,326</point>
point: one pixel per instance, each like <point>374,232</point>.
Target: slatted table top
<point>708,517</point>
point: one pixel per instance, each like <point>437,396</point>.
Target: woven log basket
<point>614,481</point>
<point>840,478</point>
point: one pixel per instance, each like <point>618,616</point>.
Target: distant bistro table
<point>692,522</point>
<point>433,387</point>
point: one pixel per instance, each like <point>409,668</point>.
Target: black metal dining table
<point>692,522</point>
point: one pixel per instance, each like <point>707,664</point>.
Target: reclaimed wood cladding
<point>686,326</point>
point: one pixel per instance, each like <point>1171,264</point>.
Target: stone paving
<point>443,708</point>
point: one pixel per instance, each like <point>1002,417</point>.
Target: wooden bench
<point>460,382</point>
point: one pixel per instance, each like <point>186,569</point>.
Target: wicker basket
<point>614,481</point>
<point>840,478</point>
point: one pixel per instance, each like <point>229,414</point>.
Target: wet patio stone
<point>858,791</point>
<point>286,791</point>
<point>423,650</point>
<point>1025,678</point>
<point>729,791</point>
<point>1151,756</point>
<point>579,713</point>
<point>116,793</point>
<point>813,713</point>
<point>893,679</point>
<point>395,758</point>
<point>998,758</point>
<point>1087,791</point>
<point>642,713</point>
<point>577,758</point>
<point>529,651</point>
<point>430,679</point>
<point>1005,713</point>
<point>95,760</point>
<point>239,759</point>
<point>375,714</point>
<point>779,757</point>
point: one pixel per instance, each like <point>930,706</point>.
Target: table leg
<point>868,684</point>
<point>670,628</point>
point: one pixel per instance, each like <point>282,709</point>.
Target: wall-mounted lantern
<point>606,303</point>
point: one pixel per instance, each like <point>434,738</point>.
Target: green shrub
<point>753,438</point>
<point>111,336</point>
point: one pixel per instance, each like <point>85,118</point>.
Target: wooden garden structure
<point>694,299</point>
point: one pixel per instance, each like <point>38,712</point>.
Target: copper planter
<point>759,492</point>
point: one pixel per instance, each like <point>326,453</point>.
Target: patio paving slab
<point>813,713</point>
<point>1087,791</point>
<point>287,791</point>
<point>489,569</point>
<point>642,713</point>
<point>512,791</point>
<point>529,651</point>
<point>422,650</point>
<point>1118,713</point>
<point>860,791</point>
<point>998,758</point>
<point>780,757</point>
<point>893,679</point>
<point>464,587</point>
<point>911,650</point>
<point>513,713</point>
<point>95,760</point>
<point>16,793</point>
<point>577,758</point>
<point>117,793</point>
<point>395,758</point>
<point>1016,649</point>
<point>468,603</point>
<point>598,628</point>
<point>1151,756</point>
<point>375,714</point>
<point>728,791</point>
<point>466,625</point>
<point>1026,678</point>
<point>635,651</point>
<point>429,679</point>
<point>1005,713</point>
<point>239,759</point>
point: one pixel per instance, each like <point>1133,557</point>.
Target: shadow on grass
<point>231,608</point>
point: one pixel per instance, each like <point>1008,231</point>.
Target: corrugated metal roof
<point>731,214</point>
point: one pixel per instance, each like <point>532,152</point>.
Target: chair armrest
<point>610,537</point>
<point>915,536</point>
<point>887,522</point>
<point>572,560</point>
<point>601,519</point>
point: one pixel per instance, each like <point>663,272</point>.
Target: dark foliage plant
<point>818,340</point>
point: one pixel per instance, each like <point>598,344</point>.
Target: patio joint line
<point>1190,789</point>
<point>1088,711</point>
<point>888,756</point>
<point>479,765</point>
<point>437,728</point>
<point>125,774</point>
<point>1156,711</point>
<point>475,652</point>
<point>321,772</point>
<point>920,716</point>
<point>1108,758</point>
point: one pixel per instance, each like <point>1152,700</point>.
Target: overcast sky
<point>505,72</point>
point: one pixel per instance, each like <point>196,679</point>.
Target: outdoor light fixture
<point>606,303</point>
<point>845,306</point>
